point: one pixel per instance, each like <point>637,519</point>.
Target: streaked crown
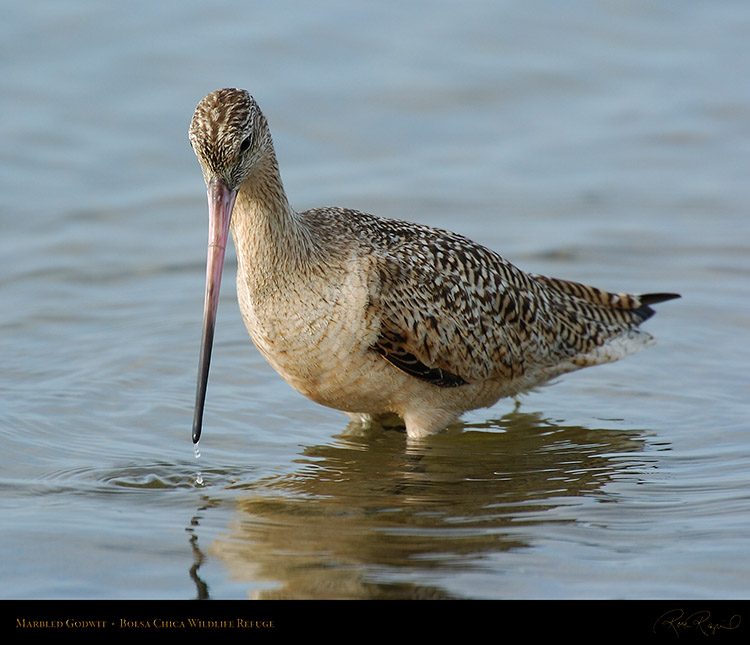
<point>229,135</point>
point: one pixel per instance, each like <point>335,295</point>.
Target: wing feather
<point>453,312</point>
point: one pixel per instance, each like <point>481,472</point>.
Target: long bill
<point>220,204</point>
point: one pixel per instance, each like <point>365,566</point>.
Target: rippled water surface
<point>601,142</point>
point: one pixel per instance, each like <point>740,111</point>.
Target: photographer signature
<point>677,621</point>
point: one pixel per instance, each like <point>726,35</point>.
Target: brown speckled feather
<point>453,312</point>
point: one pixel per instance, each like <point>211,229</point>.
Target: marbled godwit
<point>377,317</point>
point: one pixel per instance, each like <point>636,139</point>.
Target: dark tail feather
<point>644,312</point>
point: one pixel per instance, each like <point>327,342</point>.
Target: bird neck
<point>269,236</point>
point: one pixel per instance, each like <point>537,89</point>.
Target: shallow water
<point>606,143</point>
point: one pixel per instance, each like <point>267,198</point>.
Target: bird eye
<point>245,144</point>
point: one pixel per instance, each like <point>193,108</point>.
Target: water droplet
<point>198,476</point>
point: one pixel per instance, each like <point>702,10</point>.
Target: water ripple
<point>86,480</point>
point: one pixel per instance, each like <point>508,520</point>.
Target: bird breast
<point>313,329</point>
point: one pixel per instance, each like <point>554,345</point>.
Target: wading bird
<point>377,317</point>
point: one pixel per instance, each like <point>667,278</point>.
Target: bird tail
<point>644,311</point>
<point>605,325</point>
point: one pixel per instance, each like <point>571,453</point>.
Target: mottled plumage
<point>375,316</point>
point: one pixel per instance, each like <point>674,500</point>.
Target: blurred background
<point>605,142</point>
